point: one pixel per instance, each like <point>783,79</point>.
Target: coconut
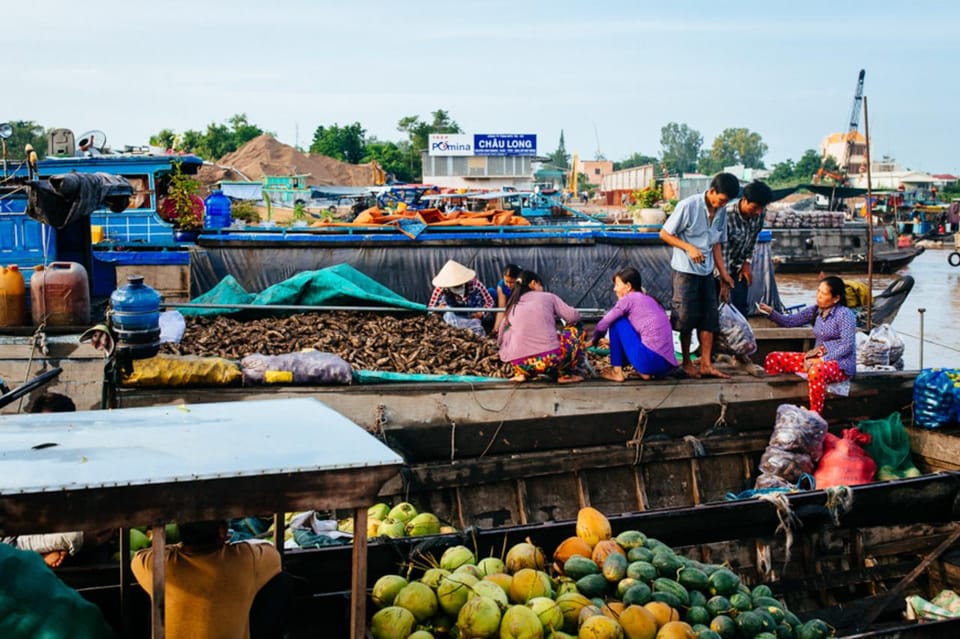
<point>421,634</point>
<point>378,511</point>
<point>418,598</point>
<point>520,622</point>
<point>373,528</point>
<point>392,622</point>
<point>391,528</point>
<point>479,618</point>
<point>524,555</point>
<point>567,585</point>
<point>528,583</point>
<point>456,556</point>
<point>433,576</point>
<point>423,524</point>
<point>491,566</point>
<point>490,589</point>
<point>570,604</point>
<point>469,569</point>
<point>386,589</point>
<point>402,512</point>
<point>454,591</point>
<point>586,612</point>
<point>548,612</point>
<point>502,579</point>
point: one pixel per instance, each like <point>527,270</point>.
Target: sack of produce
<point>889,447</point>
<point>883,347</point>
<point>306,367</point>
<point>784,464</point>
<point>166,371</point>
<point>795,446</point>
<point>935,393</point>
<point>845,462</point>
<point>735,336</point>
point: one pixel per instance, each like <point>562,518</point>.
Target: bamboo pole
<point>869,210</point>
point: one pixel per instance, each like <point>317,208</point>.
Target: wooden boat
<point>838,250</point>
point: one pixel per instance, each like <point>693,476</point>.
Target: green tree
<point>637,159</point>
<point>807,166</point>
<point>165,138</point>
<point>560,158</point>
<point>216,141</point>
<point>345,143</point>
<point>782,172</point>
<point>680,147</point>
<point>418,135</point>
<point>391,158</point>
<point>732,147</point>
<point>26,132</point>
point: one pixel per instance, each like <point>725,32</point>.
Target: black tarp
<point>579,273</point>
<point>63,199</point>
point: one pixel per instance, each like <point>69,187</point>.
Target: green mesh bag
<point>889,447</point>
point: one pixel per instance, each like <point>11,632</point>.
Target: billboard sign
<point>498,144</point>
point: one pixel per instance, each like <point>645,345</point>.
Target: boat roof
<point>50,452</point>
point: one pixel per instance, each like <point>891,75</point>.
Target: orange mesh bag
<point>844,461</point>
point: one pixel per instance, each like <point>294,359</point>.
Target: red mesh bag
<point>844,462</point>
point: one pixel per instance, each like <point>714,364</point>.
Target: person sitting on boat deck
<point>457,286</point>
<point>834,356</point>
<point>211,585</point>
<point>501,292</point>
<point>639,329</point>
<point>744,223</point>
<point>56,547</point>
<point>528,336</point>
<point>696,230</point>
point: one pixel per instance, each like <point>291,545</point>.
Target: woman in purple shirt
<point>834,357</point>
<point>528,336</point>
<point>640,332</point>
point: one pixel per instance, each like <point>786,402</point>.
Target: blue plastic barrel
<point>217,211</point>
<point>135,315</point>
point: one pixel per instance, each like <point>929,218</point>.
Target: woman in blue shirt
<point>834,357</point>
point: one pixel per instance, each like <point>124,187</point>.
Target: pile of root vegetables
<point>402,343</point>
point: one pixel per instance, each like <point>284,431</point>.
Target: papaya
<point>675,630</point>
<point>569,547</point>
<point>662,612</point>
<point>662,584</point>
<point>593,585</point>
<point>577,567</point>
<point>642,571</point>
<point>592,526</point>
<point>638,623</point>
<point>604,548</point>
<point>614,567</point>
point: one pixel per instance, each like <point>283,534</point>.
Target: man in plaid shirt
<point>744,222</point>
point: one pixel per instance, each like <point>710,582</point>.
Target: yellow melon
<point>662,612</point>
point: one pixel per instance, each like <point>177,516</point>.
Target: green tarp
<point>340,285</point>
<point>382,377</point>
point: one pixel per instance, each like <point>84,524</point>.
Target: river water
<point>936,288</point>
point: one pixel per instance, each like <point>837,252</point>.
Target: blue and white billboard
<point>498,144</point>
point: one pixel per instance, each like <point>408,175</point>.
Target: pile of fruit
<point>401,520</point>
<point>598,587</point>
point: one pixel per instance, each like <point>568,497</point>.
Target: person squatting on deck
<point>744,223</point>
<point>834,356</point>
<point>639,331</point>
<point>211,585</point>
<point>696,230</point>
<point>457,286</point>
<point>528,336</point>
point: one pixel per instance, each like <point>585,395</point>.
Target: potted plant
<point>645,212</point>
<point>182,206</point>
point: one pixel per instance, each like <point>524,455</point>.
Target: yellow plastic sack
<point>168,371</point>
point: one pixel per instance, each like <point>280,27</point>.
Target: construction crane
<point>849,139</point>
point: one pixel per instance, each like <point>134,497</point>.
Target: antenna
<point>5,132</point>
<point>598,154</point>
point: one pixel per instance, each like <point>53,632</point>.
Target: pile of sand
<point>264,155</point>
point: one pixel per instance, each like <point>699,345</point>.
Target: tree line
<point>681,147</point>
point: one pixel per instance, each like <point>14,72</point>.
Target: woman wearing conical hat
<point>457,286</point>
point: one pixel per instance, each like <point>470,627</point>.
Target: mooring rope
<point>839,501</point>
<point>638,433</point>
<point>788,521</point>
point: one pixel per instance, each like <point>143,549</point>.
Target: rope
<point>638,433</point>
<point>699,450</point>
<point>493,438</point>
<point>379,421</point>
<point>722,419</point>
<point>39,340</point>
<point>473,391</point>
<point>788,521</point>
<point>839,502</point>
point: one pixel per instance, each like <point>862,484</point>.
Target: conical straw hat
<point>453,274</point>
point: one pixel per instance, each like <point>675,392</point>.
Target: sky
<point>609,74</point>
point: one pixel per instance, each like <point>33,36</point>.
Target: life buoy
<point>954,259</point>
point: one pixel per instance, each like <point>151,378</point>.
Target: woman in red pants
<point>834,358</point>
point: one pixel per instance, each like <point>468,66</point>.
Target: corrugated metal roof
<point>138,446</point>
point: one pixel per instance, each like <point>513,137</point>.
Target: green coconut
<point>386,589</point>
<point>403,512</point>
<point>378,511</point>
<point>491,589</point>
<point>454,591</point>
<point>502,579</point>
<point>491,566</point>
<point>418,598</point>
<point>547,611</point>
<point>528,583</point>
<point>479,618</point>
<point>570,604</point>
<point>421,634</point>
<point>423,524</point>
<point>392,622</point>
<point>469,569</point>
<point>520,622</point>
<point>391,528</point>
<point>524,555</point>
<point>433,576</point>
<point>456,556</point>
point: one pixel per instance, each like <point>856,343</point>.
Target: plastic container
<point>60,295</point>
<point>13,297</point>
<point>135,316</point>
<point>217,211</point>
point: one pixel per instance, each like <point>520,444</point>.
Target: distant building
<point>481,161</point>
<point>848,149</point>
<point>595,170</point>
<point>746,175</point>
